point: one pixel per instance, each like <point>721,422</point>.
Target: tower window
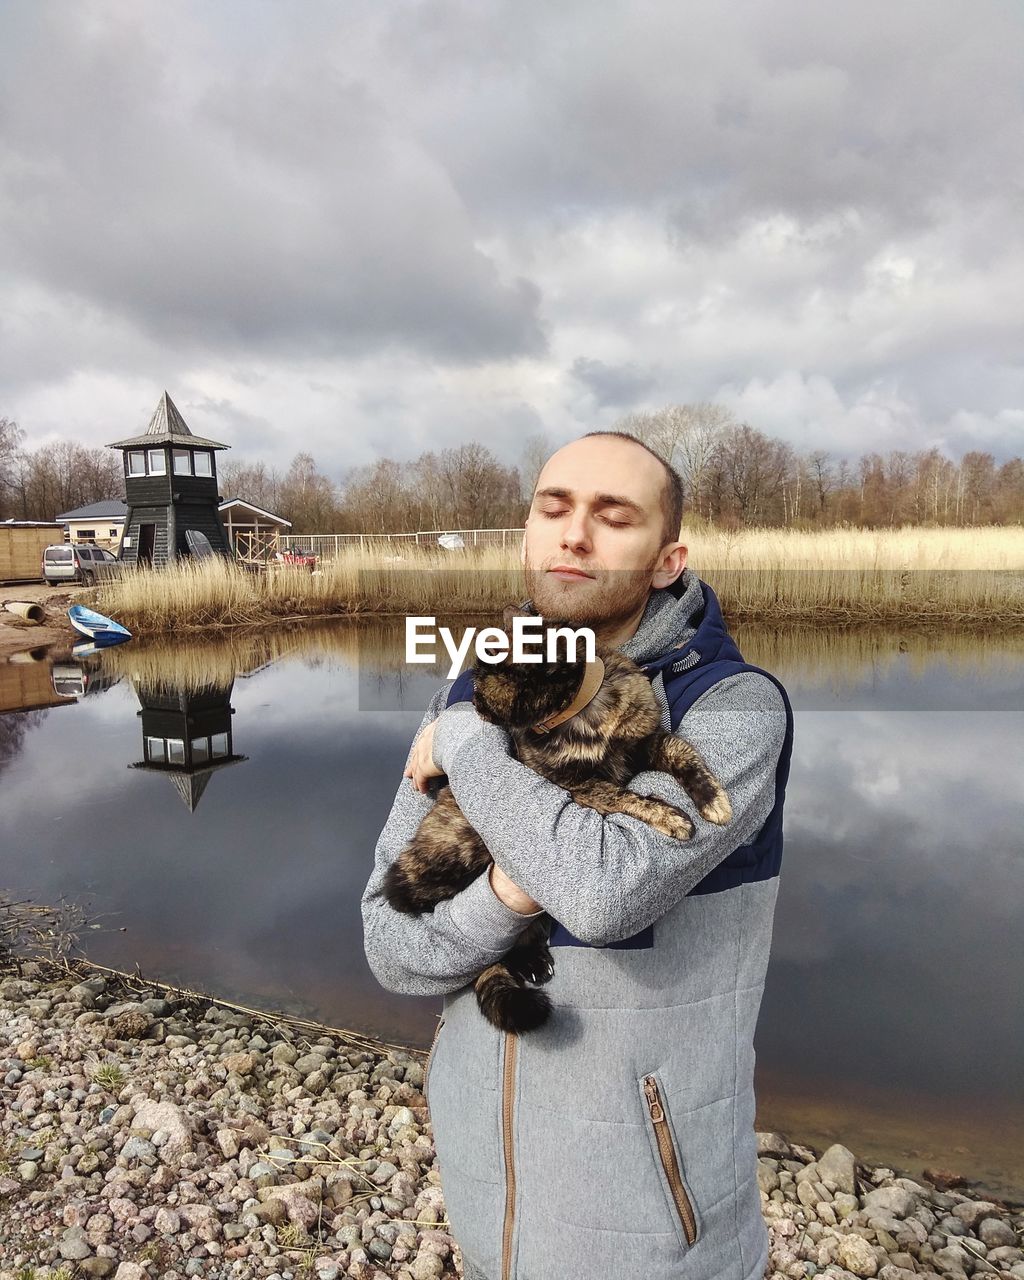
<point>157,462</point>
<point>136,463</point>
<point>203,462</point>
<point>182,462</point>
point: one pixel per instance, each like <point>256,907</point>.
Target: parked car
<point>73,562</point>
<point>302,557</point>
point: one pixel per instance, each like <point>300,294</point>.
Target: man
<point>616,1141</point>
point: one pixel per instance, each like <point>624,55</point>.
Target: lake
<point>893,1015</point>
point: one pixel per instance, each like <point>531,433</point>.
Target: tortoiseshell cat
<point>611,733</point>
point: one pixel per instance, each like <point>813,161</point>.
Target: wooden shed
<point>22,543</point>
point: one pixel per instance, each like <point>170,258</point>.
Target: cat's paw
<point>717,810</point>
<point>530,964</point>
<point>675,823</point>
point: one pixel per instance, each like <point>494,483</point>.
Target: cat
<point>589,728</point>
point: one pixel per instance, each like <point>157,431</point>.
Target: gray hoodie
<point>616,1140</point>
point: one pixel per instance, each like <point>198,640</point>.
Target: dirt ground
<point>17,635</point>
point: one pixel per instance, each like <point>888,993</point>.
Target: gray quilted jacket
<point>617,1140</point>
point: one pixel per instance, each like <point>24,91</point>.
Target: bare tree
<point>11,437</point>
<point>686,435</point>
<point>536,450</point>
<point>754,469</point>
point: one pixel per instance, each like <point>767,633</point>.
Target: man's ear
<point>671,565</point>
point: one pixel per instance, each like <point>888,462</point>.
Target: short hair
<point>671,490</point>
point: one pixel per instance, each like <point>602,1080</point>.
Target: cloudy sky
<point>371,227</point>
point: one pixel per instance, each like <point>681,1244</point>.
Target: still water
<point>893,1016</point>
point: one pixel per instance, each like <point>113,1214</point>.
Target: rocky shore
<point>141,1136</point>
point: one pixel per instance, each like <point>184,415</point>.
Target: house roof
<point>112,509</point>
<point>167,426</point>
<point>267,515</point>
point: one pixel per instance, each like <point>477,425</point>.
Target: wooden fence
<point>22,547</point>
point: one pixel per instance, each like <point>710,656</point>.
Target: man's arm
<point>607,878</point>
<point>436,951</point>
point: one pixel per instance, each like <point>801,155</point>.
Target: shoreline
<point>21,637</point>
<point>148,1131</point>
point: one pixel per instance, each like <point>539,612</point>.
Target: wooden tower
<point>170,480</point>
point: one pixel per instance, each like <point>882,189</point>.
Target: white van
<point>68,562</point>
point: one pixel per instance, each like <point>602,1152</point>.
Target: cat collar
<point>593,677</point>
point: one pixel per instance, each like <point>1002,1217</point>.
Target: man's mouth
<point>568,572</point>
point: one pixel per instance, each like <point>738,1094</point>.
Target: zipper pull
<point>651,1089</point>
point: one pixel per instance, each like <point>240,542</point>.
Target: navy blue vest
<point>707,657</point>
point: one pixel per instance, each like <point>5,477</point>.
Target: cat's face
<point>517,695</point>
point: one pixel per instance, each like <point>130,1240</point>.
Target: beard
<point>602,603</point>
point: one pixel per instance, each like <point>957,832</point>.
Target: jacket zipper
<point>691,660</point>
<point>508,1078</point>
<point>430,1054</point>
<point>668,1158</point>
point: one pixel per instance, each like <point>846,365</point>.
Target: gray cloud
<point>613,385</point>
<point>390,228</point>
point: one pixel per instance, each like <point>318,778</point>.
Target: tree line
<point>733,475</point>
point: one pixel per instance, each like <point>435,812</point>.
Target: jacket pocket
<point>430,1057</point>
<point>666,1152</point>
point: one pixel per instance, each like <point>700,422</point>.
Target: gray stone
<point>839,1165</point>
<point>262,1174</point>
<point>153,1115</point>
<point>138,1149</point>
<point>99,1267</point>
<point>971,1212</point>
<point>767,1177</point>
<point>773,1145</point>
<point>994,1232</point>
<point>951,1261</point>
<point>74,1246</point>
<point>896,1201</point>
<point>131,1271</point>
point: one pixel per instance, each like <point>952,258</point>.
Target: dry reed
<point>967,577</point>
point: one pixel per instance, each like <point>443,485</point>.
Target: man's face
<point>597,509</point>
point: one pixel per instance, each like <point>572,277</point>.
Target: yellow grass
<point>967,577</point>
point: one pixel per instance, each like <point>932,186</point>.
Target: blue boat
<point>96,625</point>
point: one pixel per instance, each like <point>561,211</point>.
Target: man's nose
<point>576,535</point>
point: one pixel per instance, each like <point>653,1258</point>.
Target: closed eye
<point>617,524</point>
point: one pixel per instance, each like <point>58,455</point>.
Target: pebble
<point>220,1139</point>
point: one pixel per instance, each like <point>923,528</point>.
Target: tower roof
<point>167,426</point>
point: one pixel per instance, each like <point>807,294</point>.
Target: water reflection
<point>186,734</point>
<point>893,987</point>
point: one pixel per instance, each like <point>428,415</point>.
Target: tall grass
<point>968,577</point>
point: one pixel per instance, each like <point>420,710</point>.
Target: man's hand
<point>421,765</point>
<point>510,893</point>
